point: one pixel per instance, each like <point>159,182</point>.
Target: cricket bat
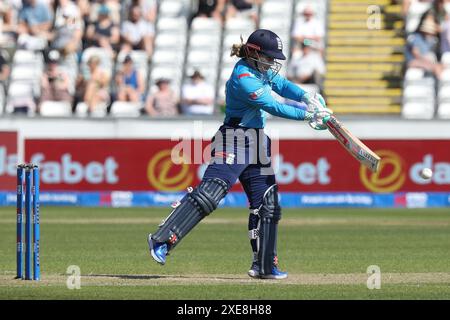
<point>353,145</point>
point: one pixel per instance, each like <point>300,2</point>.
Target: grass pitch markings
<point>240,279</point>
<point>288,221</point>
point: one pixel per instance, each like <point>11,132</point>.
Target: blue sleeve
<point>256,94</point>
<point>287,89</point>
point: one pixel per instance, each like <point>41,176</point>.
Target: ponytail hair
<point>238,49</point>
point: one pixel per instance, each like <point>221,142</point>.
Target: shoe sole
<point>152,252</point>
<point>272,277</point>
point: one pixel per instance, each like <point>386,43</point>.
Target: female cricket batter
<point>241,150</point>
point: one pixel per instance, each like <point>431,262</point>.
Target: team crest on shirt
<point>257,93</point>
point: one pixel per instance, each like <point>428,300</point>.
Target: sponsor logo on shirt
<point>257,93</point>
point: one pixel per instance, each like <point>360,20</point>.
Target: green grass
<point>109,246</point>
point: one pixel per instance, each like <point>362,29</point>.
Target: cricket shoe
<point>158,250</point>
<point>276,274</point>
<point>254,270</point>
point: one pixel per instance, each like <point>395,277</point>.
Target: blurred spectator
<point>35,21</point>
<point>421,47</point>
<point>210,9</point>
<point>103,33</point>
<point>112,5</point>
<point>85,10</point>
<point>406,4</point>
<point>93,88</point>
<point>130,83</point>
<point>66,8</point>
<point>137,33</point>
<point>308,27</point>
<point>163,102</point>
<point>310,67</point>
<point>445,34</point>
<point>148,7</point>
<point>243,8</point>
<point>68,33</point>
<point>55,82</point>
<point>197,97</point>
<point>8,14</point>
<point>4,68</point>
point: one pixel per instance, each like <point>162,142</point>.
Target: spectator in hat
<point>310,67</point>
<point>92,88</point>
<point>163,102</point>
<point>114,7</point>
<point>197,96</point>
<point>422,46</point>
<point>307,26</point>
<point>103,33</point>
<point>130,83</point>
<point>55,82</point>
<point>137,33</point>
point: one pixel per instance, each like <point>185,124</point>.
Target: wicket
<point>32,225</point>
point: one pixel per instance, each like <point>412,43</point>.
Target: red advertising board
<point>301,165</point>
<point>8,160</point>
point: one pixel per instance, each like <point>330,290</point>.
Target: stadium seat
<point>174,25</point>
<point>55,109</point>
<point>24,72</point>
<point>418,92</point>
<point>100,111</point>
<point>240,25</point>
<point>276,8</point>
<point>444,93</point>
<point>171,41</point>
<point>202,58</point>
<point>205,25</point>
<point>205,41</point>
<point>418,110</point>
<point>445,59</point>
<point>443,111</point>
<point>168,57</point>
<point>125,109</point>
<point>414,74</point>
<point>172,8</point>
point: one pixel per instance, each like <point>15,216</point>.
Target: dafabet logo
<point>389,178</point>
<point>164,175</point>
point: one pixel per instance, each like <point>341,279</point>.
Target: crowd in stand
<point>63,30</point>
<point>428,43</point>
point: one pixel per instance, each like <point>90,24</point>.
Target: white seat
<point>273,8</point>
<point>443,111</point>
<point>414,92</point>
<point>100,111</point>
<point>125,109</point>
<point>445,59</point>
<point>206,41</point>
<point>275,23</point>
<point>418,110</point>
<point>21,72</point>
<point>202,58</point>
<point>175,25</point>
<point>27,56</point>
<point>168,57</point>
<point>171,41</point>
<point>171,8</point>
<point>55,109</point>
<point>225,73</point>
<point>20,89</point>
<point>444,93</point>
<point>202,24</point>
<point>239,24</point>
<point>227,60</point>
<point>445,76</point>
<point>414,74</point>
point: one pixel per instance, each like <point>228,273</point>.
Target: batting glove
<point>317,113</point>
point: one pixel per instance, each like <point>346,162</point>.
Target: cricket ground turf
<point>326,251</point>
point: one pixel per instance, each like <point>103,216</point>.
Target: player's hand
<point>318,119</point>
<point>317,112</point>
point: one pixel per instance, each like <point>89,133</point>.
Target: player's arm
<point>256,94</point>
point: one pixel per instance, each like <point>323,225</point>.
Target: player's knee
<point>208,194</point>
<point>270,208</point>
